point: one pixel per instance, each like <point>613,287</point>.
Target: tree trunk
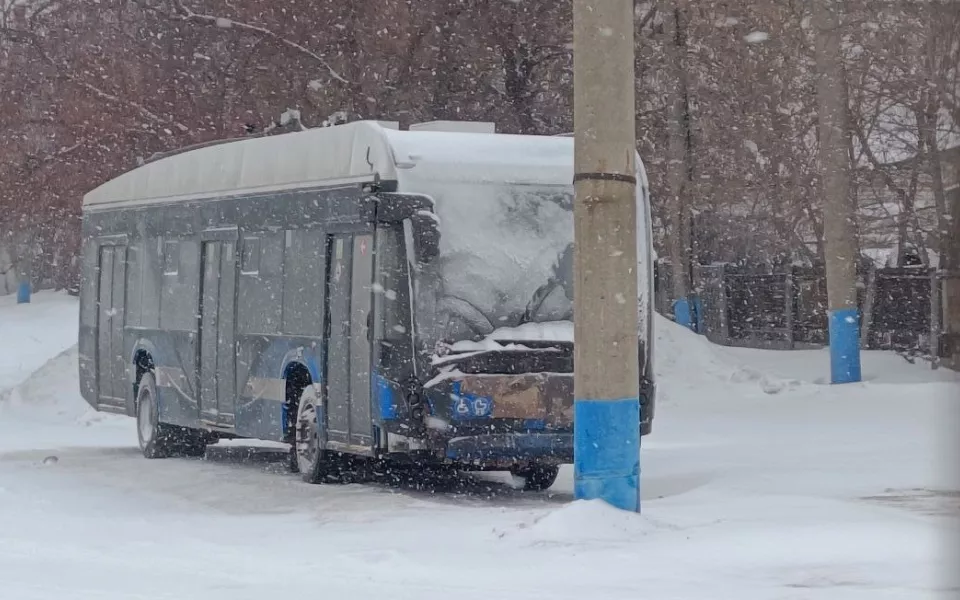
<point>927,124</point>
<point>951,287</point>
<point>677,167</point>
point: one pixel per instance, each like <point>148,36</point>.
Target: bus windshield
<point>505,258</point>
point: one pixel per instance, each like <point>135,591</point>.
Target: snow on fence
<point>786,308</point>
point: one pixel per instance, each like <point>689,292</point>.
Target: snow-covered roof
<point>349,153</point>
<point>295,160</point>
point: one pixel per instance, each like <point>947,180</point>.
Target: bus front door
<point>349,425</point>
<point>218,354</point>
<point>111,367</point>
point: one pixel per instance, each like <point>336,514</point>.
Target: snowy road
<point>758,483</point>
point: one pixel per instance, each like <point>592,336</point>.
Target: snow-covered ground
<point>759,481</point>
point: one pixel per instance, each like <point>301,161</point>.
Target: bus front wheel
<point>536,478</point>
<point>310,455</point>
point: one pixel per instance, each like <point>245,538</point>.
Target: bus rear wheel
<point>162,440</point>
<point>310,456</point>
<point>536,478</point>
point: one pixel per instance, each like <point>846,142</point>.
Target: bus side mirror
<point>416,209</point>
<point>426,235</point>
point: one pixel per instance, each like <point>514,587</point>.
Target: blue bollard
<point>606,451</point>
<point>682,313</point>
<point>23,293</point>
<point>844,346</point>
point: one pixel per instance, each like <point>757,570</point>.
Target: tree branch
<point>185,14</point>
<point>66,73</point>
<point>652,12</point>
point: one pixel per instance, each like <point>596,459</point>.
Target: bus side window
<point>304,269</point>
<point>179,284</point>
<point>392,328</point>
<point>171,257</point>
<point>135,268</point>
<point>152,265</point>
<point>260,294</point>
<point>250,256</point>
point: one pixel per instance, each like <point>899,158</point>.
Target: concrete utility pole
<point>838,209</point>
<point>606,378</point>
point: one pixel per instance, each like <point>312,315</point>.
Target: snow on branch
<point>37,161</point>
<point>144,111</point>
<point>66,73</point>
<point>186,14</point>
<point>647,18</point>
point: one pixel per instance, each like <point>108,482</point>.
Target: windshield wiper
<point>562,271</point>
<point>533,307</point>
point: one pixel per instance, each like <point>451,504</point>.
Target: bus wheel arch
<point>296,378</point>
<point>142,363</point>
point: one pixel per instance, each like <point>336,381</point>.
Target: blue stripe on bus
<point>386,399</point>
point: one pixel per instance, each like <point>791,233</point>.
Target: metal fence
<point>786,308</point>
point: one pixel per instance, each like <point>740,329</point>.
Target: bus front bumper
<point>503,450</point>
<point>492,451</point>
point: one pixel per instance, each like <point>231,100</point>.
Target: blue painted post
<point>606,429</point>
<point>606,460</point>
<point>844,346</point>
<point>23,291</point>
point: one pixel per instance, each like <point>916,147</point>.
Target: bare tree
<point>728,130</point>
<point>679,169</point>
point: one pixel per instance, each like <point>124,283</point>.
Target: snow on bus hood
<point>555,331</point>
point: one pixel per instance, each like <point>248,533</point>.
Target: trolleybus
<point>352,290</point>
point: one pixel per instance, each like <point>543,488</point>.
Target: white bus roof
<point>344,154</point>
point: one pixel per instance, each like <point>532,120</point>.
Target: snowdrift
<point>685,361</point>
<point>53,388</point>
<point>31,334</point>
<point>42,370</point>
<point>688,364</point>
<point>583,521</point>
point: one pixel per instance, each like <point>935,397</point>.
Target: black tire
<point>152,435</point>
<point>292,463</point>
<point>536,478</point>
<point>309,457</point>
<point>161,440</point>
<point>194,443</point>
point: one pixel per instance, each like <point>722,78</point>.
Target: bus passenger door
<point>218,354</point>
<point>361,423</point>
<point>349,426</point>
<point>111,366</point>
